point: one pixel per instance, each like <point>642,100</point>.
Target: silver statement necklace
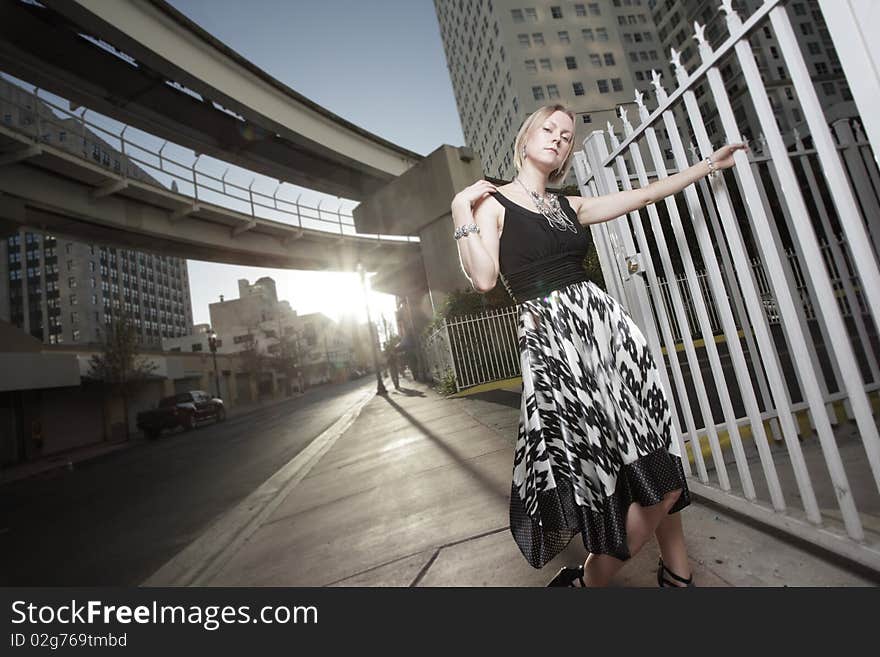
<point>549,207</point>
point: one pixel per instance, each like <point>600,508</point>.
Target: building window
<point>524,40</point>
<point>609,59</point>
<point>68,248</point>
<point>197,346</point>
<point>829,88</point>
<point>602,86</point>
<point>570,62</point>
<point>538,38</point>
<point>814,48</point>
<point>531,67</point>
<point>594,8</point>
<point>806,29</point>
<point>580,10</point>
<point>538,93</point>
<point>531,14</point>
<point>563,37</point>
<point>587,34</point>
<point>578,88</point>
<point>799,9</point>
<point>71,282</point>
<point>552,91</point>
<point>616,84</point>
<point>556,12</point>
<point>545,64</point>
<point>821,68</point>
<point>595,60</point>
<point>75,335</point>
<point>517,15</point>
<point>602,34</point>
<point>586,118</point>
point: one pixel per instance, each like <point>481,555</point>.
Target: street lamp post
<point>380,387</point>
<point>212,344</point>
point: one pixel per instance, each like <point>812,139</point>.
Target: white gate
<point>772,369</point>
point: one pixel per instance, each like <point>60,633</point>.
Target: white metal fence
<point>470,350</point>
<point>812,467</point>
<point>475,349</point>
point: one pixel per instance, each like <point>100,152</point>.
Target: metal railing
<point>786,197</point>
<point>136,155</point>
<point>474,349</point>
<point>847,292</point>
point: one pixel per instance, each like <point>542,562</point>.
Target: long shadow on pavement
<point>438,440</point>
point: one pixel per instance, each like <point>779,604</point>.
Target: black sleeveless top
<point>536,258</point>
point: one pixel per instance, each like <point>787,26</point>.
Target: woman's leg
<point>670,537</point>
<point>641,523</point>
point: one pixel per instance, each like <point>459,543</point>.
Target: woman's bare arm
<point>478,251</point>
<point>610,206</point>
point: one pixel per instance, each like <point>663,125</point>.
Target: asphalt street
<point>114,520</point>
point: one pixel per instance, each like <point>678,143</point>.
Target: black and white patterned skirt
<point>595,430</point>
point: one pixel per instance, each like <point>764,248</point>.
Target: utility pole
<point>380,387</point>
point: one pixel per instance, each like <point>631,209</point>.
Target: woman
<point>595,454</point>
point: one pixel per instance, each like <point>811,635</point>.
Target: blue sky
<point>378,64</point>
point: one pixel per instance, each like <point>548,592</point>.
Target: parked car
<point>185,409</point>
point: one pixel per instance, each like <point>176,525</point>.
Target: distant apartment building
<point>65,291</point>
<point>506,58</point>
<point>258,322</point>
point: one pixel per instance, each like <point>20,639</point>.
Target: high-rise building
<point>63,290</point>
<point>506,58</point>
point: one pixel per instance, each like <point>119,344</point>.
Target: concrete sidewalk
<point>416,492</point>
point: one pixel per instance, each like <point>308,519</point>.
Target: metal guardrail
<point>46,122</point>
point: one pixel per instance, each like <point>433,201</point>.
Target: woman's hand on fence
<point>469,196</point>
<point>723,157</point>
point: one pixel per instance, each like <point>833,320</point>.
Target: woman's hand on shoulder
<point>472,195</point>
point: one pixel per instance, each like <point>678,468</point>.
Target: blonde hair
<point>537,117</point>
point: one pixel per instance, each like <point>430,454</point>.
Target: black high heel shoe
<point>568,575</point>
<point>677,581</point>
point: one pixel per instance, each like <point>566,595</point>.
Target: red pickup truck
<point>185,409</point>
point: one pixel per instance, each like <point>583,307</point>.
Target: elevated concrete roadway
<point>51,189</point>
<point>147,65</point>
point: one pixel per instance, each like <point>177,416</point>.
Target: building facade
<point>63,291</point>
<point>257,323</point>
<point>506,58</point>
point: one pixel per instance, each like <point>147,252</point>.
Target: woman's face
<point>550,141</point>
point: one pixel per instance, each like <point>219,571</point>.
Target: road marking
<point>201,560</point>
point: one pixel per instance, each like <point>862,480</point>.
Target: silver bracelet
<point>713,172</point>
<point>464,231</point>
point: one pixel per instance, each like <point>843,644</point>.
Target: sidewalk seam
<point>204,557</point>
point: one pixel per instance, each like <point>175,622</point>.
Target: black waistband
<point>541,278</point>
